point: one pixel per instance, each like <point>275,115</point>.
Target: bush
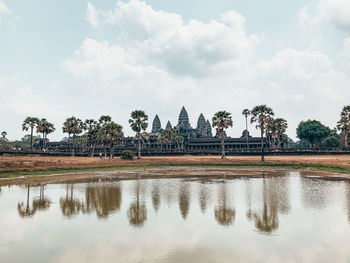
<point>127,155</point>
<point>331,142</point>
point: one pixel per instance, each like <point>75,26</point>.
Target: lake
<point>272,218</point>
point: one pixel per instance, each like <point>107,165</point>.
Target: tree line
<point>108,133</point>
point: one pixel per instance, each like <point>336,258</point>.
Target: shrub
<point>331,142</point>
<point>127,155</point>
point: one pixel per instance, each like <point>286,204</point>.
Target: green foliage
<point>313,131</point>
<point>331,142</point>
<point>138,121</point>
<point>127,155</point>
<point>222,120</point>
<point>303,143</point>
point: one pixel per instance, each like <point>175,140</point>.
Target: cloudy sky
<point>88,58</point>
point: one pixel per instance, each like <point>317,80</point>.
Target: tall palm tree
<point>73,126</point>
<point>246,114</point>
<point>138,122</point>
<point>221,121</point>
<point>344,123</point>
<point>179,141</point>
<point>30,123</point>
<point>45,128</point>
<point>92,127</point>
<point>279,128</point>
<point>261,115</point>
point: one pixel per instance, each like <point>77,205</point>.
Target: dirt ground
<point>40,162</point>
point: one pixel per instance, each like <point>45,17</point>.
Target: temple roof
<point>183,119</point>
<point>168,125</point>
<point>156,126</point>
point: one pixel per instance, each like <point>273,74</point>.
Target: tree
<point>313,131</point>
<point>279,127</point>
<point>179,141</point>
<point>330,142</point>
<point>73,126</point>
<point>261,115</point>
<point>246,114</point>
<point>109,134</point>
<point>168,137</point>
<point>343,124</point>
<point>221,121</point>
<point>45,128</point>
<point>30,123</point>
<point>92,127</point>
<point>3,135</point>
<point>138,123</point>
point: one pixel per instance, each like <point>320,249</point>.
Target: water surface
<point>283,218</point>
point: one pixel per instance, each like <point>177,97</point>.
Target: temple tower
<point>183,119</point>
<point>209,130</point>
<point>156,126</point>
<point>202,125</point>
<point>168,125</point>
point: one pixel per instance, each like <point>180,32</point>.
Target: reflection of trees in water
<point>42,203</point>
<point>275,200</point>
<point>137,213</point>
<point>267,219</point>
<point>314,193</point>
<point>184,199</point>
<point>224,214</point>
<point>103,198</point>
<point>69,205</point>
<point>26,210</point>
<point>204,196</point>
<point>155,196</point>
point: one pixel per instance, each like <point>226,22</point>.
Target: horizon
<point>93,58</point>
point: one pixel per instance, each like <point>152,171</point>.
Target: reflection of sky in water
<point>272,219</point>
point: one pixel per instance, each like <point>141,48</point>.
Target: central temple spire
<point>183,119</point>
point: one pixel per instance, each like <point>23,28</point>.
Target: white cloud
<point>346,49</point>
<point>92,16</point>
<point>336,12</point>
<point>4,8</point>
<point>196,48</point>
<point>204,66</point>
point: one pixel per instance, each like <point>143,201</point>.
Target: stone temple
<point>184,128</point>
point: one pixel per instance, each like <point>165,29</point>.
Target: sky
<point>80,58</point>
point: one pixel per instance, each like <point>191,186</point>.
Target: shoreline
<point>22,170</point>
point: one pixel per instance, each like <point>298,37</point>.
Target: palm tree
<point>279,128</point>
<point>168,137</point>
<point>138,122</point>
<point>3,135</point>
<point>344,123</point>
<point>26,211</point>
<point>179,141</point>
<point>30,123</point>
<point>222,120</point>
<point>92,127</point>
<point>246,113</point>
<point>224,214</point>
<point>260,115</point>
<point>45,128</point>
<point>109,134</point>
<point>73,126</point>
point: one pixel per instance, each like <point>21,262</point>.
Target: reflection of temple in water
<point>155,196</point>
